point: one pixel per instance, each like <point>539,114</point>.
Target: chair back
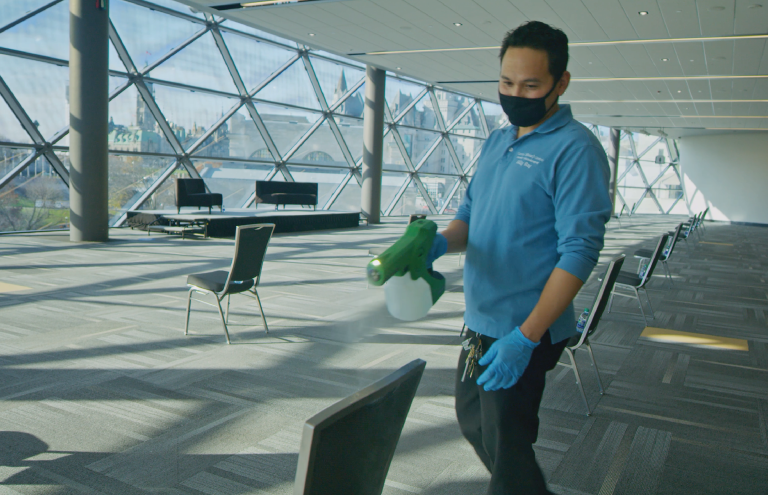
<point>704,215</point>
<point>189,186</point>
<point>654,260</point>
<point>602,297</point>
<point>672,243</point>
<point>250,248</point>
<point>623,207</point>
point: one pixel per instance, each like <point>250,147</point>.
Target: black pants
<point>503,425</point>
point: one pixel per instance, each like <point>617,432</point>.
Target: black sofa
<point>192,192</point>
<point>286,193</point>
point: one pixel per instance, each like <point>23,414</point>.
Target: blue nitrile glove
<point>508,357</point>
<point>439,248</point>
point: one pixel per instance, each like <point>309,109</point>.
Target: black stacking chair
<point>688,229</point>
<point>635,283</point>
<point>244,275</point>
<point>646,254</point>
<point>621,212</point>
<point>582,340</point>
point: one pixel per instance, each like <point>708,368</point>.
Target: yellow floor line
<point>715,243</point>
<point>666,336</point>
<point>11,288</point>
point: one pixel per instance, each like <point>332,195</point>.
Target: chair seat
<point>644,253</point>
<point>625,278</point>
<point>214,281</point>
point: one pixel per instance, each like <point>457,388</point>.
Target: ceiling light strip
<point>577,44</point>
<point>663,101</point>
<point>609,79</point>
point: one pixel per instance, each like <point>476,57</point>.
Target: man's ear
<point>563,83</point>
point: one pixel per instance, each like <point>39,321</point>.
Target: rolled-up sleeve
<point>582,209</point>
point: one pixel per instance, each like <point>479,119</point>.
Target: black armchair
<point>192,192</point>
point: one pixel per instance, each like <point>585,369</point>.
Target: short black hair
<point>540,36</point>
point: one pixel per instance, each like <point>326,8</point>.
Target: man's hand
<point>508,357</point>
<point>439,248</point>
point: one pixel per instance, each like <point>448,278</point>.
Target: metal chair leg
<point>594,364</point>
<point>641,306</point>
<point>228,298</point>
<point>463,329</point>
<point>653,316</point>
<point>189,306</point>
<point>668,272</point>
<point>610,301</point>
<point>262,310</point>
<point>223,320</point>
<point>578,380</point>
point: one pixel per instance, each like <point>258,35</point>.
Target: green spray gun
<point>411,288</point>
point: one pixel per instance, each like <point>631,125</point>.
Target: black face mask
<point>525,112</point>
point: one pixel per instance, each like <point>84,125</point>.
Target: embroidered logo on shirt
<point>528,160</point>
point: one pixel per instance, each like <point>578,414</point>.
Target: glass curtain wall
<point>230,104</point>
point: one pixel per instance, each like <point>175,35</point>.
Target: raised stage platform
<point>223,224</point>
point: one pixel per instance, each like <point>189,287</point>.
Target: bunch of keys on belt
<point>475,347</point>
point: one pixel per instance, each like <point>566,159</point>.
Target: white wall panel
<point>728,172</point>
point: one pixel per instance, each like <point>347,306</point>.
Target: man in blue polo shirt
<point>532,225</point>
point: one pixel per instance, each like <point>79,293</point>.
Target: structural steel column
<point>614,156</point>
<point>373,143</point>
<point>88,117</point>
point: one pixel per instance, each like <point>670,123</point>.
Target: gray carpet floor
<point>102,393</point>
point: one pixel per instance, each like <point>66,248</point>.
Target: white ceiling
<point>680,106</point>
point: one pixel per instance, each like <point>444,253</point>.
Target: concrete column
<point>614,155</point>
<point>373,143</point>
<point>88,119</point>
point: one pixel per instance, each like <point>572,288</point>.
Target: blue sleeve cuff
<point>576,266</point>
<point>463,215</point>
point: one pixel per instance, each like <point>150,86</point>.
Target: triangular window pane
<point>495,117</point>
<point>13,10</point>
<point>10,128</point>
<point>327,179</point>
<point>335,79</point>
<point>422,115</point>
<point>625,146</point>
<point>455,202</point>
<point>390,185</point>
<point>350,197</point>
<point>439,188</point>
<point>400,94</point>
<point>164,198</point>
<point>439,162</point>
<point>452,105</point>
<point>320,149</point>
<point>238,137</point>
<point>235,181</point>
<point>178,7</point>
<point>417,142</point>
<point>255,60</point>
<point>466,148</point>
<point>632,177</point>
<point>199,64</point>
<point>668,189</point>
<point>129,177</point>
<point>41,89</point>
<point>36,199</point>
<point>133,23</point>
<point>291,87</point>
<point>652,170</point>
<point>631,195</point>
<point>114,60</point>
<point>411,202</point>
<point>469,125</point>
<point>392,157</point>
<point>354,105</point>
<point>47,33</point>
<point>352,132</point>
<point>132,127</point>
<point>10,158</point>
<point>190,113</point>
<point>226,25</point>
<point>286,125</point>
